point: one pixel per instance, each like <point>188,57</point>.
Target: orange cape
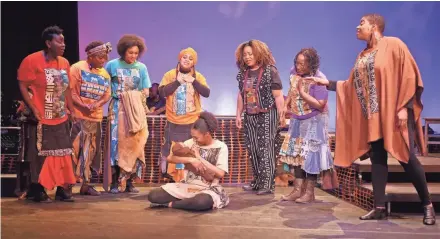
<point>399,79</point>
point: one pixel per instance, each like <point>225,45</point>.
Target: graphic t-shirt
<point>216,154</point>
<point>90,85</point>
<point>125,77</point>
<point>184,105</point>
<point>48,81</point>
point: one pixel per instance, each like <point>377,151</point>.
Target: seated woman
<point>205,165</point>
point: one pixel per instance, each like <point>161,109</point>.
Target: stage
<point>247,216</point>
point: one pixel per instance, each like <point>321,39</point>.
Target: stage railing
<point>240,170</point>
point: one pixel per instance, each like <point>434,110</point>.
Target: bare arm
<point>279,101</point>
<point>317,104</point>
<point>239,104</point>
<point>24,92</point>
<point>69,100</point>
<point>218,173</point>
<point>104,99</point>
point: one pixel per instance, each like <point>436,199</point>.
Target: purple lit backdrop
<point>215,29</point>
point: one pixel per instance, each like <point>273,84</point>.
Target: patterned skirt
<point>306,145</point>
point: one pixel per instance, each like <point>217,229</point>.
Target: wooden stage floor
<point>247,216</point>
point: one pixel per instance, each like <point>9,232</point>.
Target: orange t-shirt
<point>90,86</point>
<point>193,106</point>
<point>48,81</point>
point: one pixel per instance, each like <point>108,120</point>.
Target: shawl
<point>399,80</point>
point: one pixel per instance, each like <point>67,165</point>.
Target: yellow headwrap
<point>189,51</point>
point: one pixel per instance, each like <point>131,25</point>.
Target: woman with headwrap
<point>90,86</point>
<point>378,111</point>
<point>124,148</point>
<point>206,161</point>
<point>305,148</point>
<point>260,98</point>
<point>182,87</point>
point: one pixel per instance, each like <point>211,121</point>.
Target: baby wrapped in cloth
<point>179,150</point>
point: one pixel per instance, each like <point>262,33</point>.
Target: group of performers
<point>381,98</point>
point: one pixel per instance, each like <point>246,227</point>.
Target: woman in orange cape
<point>378,111</point>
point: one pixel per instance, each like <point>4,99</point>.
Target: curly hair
<point>128,41</point>
<point>93,44</point>
<point>312,58</point>
<point>206,123</point>
<point>376,19</point>
<point>49,32</point>
<point>260,50</point>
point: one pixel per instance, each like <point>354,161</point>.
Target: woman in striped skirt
<point>261,100</point>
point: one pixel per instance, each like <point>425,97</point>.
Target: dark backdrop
<point>21,26</point>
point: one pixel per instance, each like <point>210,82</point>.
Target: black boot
<point>40,194</point>
<point>63,194</point>
<point>375,214</point>
<point>130,188</point>
<point>114,185</point>
<point>429,215</point>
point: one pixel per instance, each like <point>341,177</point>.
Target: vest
<point>261,100</point>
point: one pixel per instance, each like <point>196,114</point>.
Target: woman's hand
<point>238,122</point>
<point>319,81</point>
<point>197,162</point>
<point>188,78</point>
<point>402,117</point>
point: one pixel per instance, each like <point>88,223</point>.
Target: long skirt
<point>306,145</point>
<point>262,137</point>
<point>53,142</point>
<point>86,137</point>
<point>29,164</point>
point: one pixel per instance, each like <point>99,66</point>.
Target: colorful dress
<point>90,85</point>
<point>306,142</point>
<point>48,82</point>
<point>124,77</point>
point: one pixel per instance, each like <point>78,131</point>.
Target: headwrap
<point>104,48</point>
<point>189,51</point>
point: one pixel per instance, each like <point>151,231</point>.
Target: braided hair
<point>206,123</point>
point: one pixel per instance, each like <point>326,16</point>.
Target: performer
<point>90,87</point>
<point>305,148</point>
<point>155,103</point>
<point>46,74</point>
<point>129,81</point>
<point>196,191</point>
<point>182,88</point>
<point>382,98</point>
<point>261,99</point>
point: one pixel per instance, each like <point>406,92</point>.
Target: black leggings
<point>298,172</point>
<point>379,174</point>
<point>200,202</point>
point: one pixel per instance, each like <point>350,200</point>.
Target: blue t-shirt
<point>127,76</point>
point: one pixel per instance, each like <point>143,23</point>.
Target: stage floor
<point>247,216</point>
